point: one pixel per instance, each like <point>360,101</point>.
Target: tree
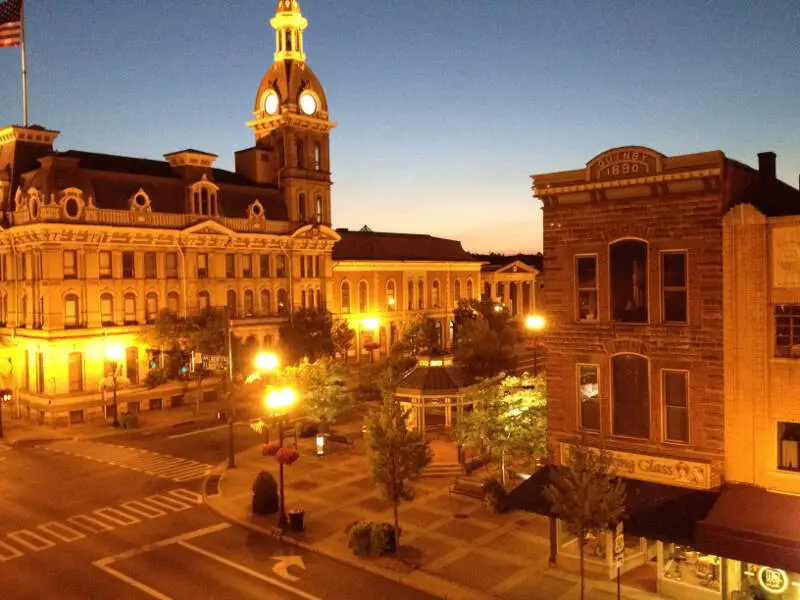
<point>320,387</point>
<point>418,336</point>
<point>307,334</point>
<point>509,418</point>
<point>396,455</point>
<point>483,351</point>
<point>342,336</point>
<point>586,494</point>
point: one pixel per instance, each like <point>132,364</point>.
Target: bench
<point>467,488</point>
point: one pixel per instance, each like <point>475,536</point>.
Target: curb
<point>458,594</point>
<point>35,441</point>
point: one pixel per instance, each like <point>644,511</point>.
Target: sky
<point>444,108</point>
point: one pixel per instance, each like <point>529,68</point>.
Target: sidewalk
<point>451,548</point>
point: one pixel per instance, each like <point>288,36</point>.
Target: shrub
<point>360,538</point>
<point>495,494</point>
<point>155,377</point>
<point>382,539</point>
<point>265,494</point>
<point>129,420</point>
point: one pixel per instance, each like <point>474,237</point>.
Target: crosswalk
<point>48,535</point>
<point>144,461</point>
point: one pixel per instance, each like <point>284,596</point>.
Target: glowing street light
<point>498,308</point>
<point>535,324</point>
<point>115,354</point>
<point>278,402</point>
<point>266,361</point>
<point>370,323</point>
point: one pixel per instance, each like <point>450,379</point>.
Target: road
<point>122,518</point>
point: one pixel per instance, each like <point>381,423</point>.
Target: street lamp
<point>535,324</point>
<point>371,324</point>
<point>114,354</point>
<point>266,362</point>
<point>278,403</point>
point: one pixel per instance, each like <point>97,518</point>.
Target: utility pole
<point>231,445</point>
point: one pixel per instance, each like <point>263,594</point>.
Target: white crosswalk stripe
<point>77,527</point>
<point>136,459</point>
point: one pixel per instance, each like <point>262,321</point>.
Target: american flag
<point>10,23</point>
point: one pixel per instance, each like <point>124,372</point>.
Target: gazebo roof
<point>428,380</point>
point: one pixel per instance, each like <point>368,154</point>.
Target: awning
<point>653,510</point>
<point>750,524</point>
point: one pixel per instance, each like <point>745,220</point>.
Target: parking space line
<point>8,552</point>
<point>133,582</point>
<point>142,509</point>
<point>116,516</point>
<point>30,540</point>
<point>170,504</point>
<point>90,524</point>
<point>61,531</point>
<point>187,495</point>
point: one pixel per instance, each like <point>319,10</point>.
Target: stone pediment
<point>316,232</point>
<point>209,228</point>
<point>517,267</point>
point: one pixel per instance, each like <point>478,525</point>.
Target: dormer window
<point>203,198</point>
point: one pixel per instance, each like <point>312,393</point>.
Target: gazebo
<point>432,390</point>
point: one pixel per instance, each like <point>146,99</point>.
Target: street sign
<point>215,362</point>
<point>619,546</point>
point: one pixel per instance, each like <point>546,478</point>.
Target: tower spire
<point>289,25</point>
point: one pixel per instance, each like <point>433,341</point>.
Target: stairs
<point>442,469</point>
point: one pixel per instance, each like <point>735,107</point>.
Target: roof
<point>432,381</point>
<point>372,245</point>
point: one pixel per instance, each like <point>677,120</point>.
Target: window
<point>469,289</point>
<point>345,296</point>
<point>128,267</point>
<point>106,310</point>
<point>316,157</point>
<point>487,291</point>
<point>301,154</point>
<point>318,209</point>
<point>70,264</point>
<point>363,291</point>
<point>172,265</point>
<point>129,309</point>
<point>302,267</point>
<point>589,397</point>
<point>391,296</point>
<point>676,406</point>
<point>150,269</point>
<point>71,318</point>
<point>310,266</point>
<point>303,299</point>
<point>106,271</point>
<point>435,295</point>
<point>586,284</point>
<point>203,301</point>
<point>39,373</point>
<point>787,330</point>
<point>319,301</point>
<point>629,281</point>
<point>317,266</point>
<point>501,293</point>
<point>150,307</point>
<point>630,390</point>
<point>230,302</point>
<point>23,311</point>
<point>456,292</point>
<point>247,266</point>
<point>202,266</point>
<point>263,266</point>
<point>280,265</point>
<point>230,266</point>
<point>283,302</point>
<point>4,267</point>
<point>173,303</point>
<point>132,364</point>
<point>266,302</point>
<point>673,286</point>
<point>75,361</point>
<point>788,446</point>
<point>301,207</point>
<point>23,266</point>
<point>249,303</point>
<point>410,293</point>
<point>421,295</point>
<point>3,310</point>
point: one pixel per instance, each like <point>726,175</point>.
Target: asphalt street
<point>119,518</point>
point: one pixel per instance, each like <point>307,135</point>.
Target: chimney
<point>766,164</point>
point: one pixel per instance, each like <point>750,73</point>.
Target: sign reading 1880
<point>623,163</point>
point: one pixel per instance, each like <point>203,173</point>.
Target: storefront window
<point>683,563</point>
<point>766,583</point>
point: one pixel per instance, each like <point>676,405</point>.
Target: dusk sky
<point>444,108</point>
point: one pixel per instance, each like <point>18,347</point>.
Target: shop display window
<point>683,563</point>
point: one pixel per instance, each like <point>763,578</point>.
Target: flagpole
<point>24,64</point>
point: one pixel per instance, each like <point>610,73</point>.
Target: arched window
<point>106,310</point>
<point>410,292</point>
<point>301,154</point>
<point>435,294</point>
<point>173,303</point>
<point>249,303</point>
<point>204,201</point>
<point>630,394</point>
<point>456,292</point>
<point>150,307</point>
<point>230,302</point>
<point>318,209</point>
<point>487,291</point>
<point>628,262</point>
<point>363,299</point>
<point>303,299</point>
<point>391,295</point>
<point>23,312</point>
<point>469,289</point>
<point>345,297</point>
<point>316,157</point>
<point>266,302</point>
<point>203,301</point>
<point>421,295</point>
<point>311,299</point>
<point>3,310</point>
<point>129,309</point>
<point>283,302</point>
<point>71,315</point>
<point>319,300</point>
<point>301,207</point>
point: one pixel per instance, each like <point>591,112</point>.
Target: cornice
<point>406,266</point>
<point>554,190</point>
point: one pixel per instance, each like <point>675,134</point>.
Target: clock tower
<point>291,125</point>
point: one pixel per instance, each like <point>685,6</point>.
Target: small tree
<point>396,455</point>
<point>586,495</point>
<point>509,417</point>
<point>342,336</point>
<point>483,351</point>
<point>307,334</point>
<point>321,389</point>
<point>418,336</point>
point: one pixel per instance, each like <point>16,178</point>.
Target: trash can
<point>296,518</point>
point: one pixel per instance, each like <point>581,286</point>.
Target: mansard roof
<point>373,245</point>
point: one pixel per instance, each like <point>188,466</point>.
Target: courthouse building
<point>639,355</point>
<point>93,246</point>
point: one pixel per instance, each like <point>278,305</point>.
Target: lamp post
<point>114,354</point>
<point>535,324</point>
<point>265,363</point>
<point>278,403</point>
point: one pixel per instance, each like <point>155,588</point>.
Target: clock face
<point>271,103</point>
<point>307,104</point>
